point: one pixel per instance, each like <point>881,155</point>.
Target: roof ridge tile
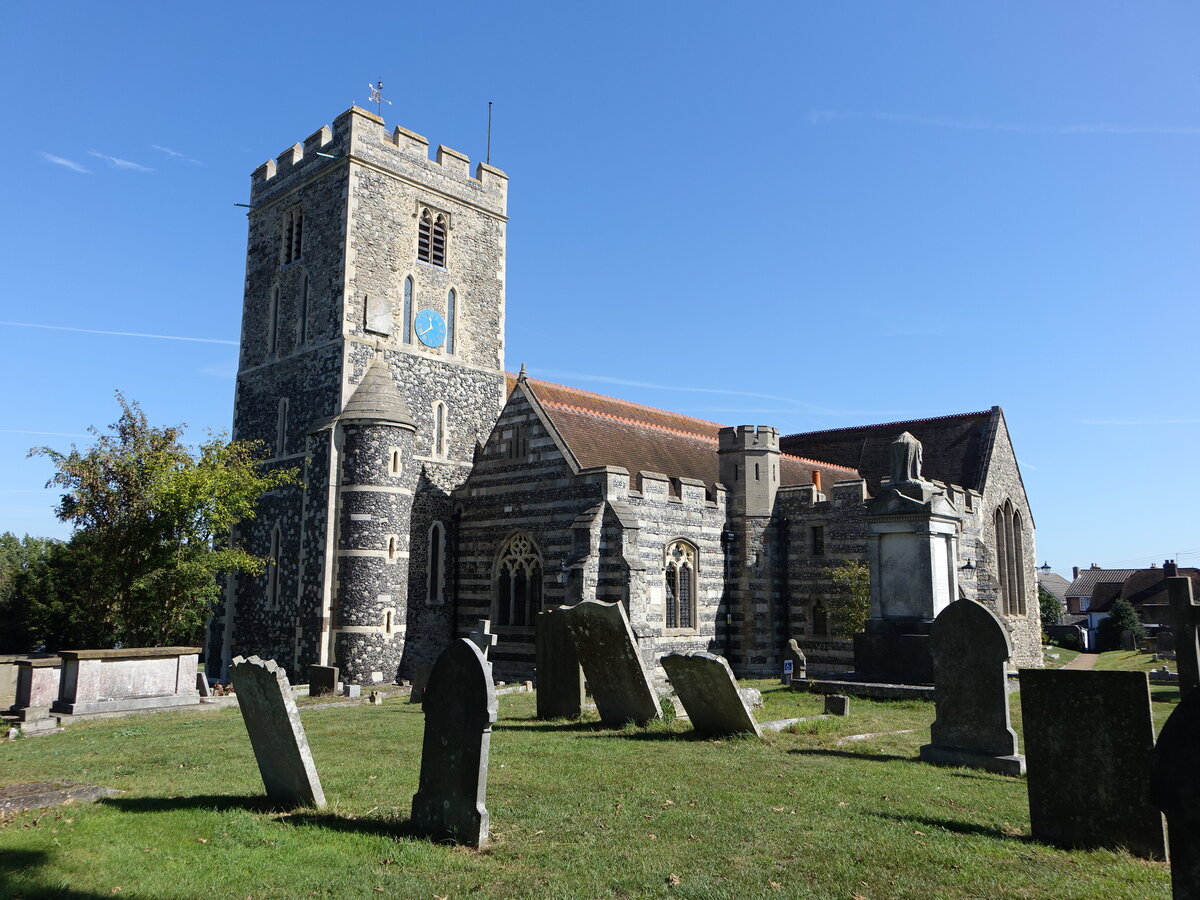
<point>966,415</point>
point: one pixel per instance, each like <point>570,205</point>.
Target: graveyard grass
<point>578,810</point>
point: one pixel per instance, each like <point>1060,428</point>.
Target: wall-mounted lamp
<point>1045,567</point>
<point>969,568</point>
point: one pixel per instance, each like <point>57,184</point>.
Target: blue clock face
<point>431,327</point>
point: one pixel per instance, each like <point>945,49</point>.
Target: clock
<point>431,327</point>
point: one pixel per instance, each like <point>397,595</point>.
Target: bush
<point>1121,617</point>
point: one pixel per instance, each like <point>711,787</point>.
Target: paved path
<point>1083,661</point>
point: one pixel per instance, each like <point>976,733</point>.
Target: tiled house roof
<point>1085,584</point>
<point>955,448</point>
<point>1054,583</point>
<point>1142,588</point>
<point>605,431</point>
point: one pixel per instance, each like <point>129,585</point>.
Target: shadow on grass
<point>214,802</point>
<point>847,754</point>
<point>1164,696</point>
<point>552,725</point>
<point>955,826</point>
<point>396,829</point>
<point>27,862</point>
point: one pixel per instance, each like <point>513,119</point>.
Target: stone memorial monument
<point>799,663</point>
<point>273,722</point>
<point>709,693</point>
<point>608,653</point>
<point>973,729</point>
<point>1089,739</point>
<point>460,707</point>
<point>560,693</point>
<point>912,533</point>
<point>1175,789</point>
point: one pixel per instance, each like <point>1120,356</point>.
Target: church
<point>436,489</point>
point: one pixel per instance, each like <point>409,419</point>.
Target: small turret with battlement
<point>749,465</point>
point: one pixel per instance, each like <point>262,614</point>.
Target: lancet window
<point>1010,559</point>
<point>680,575</point>
<point>431,238</point>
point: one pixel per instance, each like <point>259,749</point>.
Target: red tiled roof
<point>955,448</point>
<point>605,431</point>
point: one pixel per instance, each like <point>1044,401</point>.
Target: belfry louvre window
<point>431,238</point>
<point>680,577</point>
<point>518,581</point>
<point>293,235</point>
<point>1010,559</point>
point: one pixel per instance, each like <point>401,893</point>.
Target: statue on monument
<point>906,460</point>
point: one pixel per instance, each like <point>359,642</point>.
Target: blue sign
<point>787,667</point>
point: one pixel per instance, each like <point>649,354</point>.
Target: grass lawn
<point>1133,660</point>
<point>1064,657</point>
<point>578,810</point>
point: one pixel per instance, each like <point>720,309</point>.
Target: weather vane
<point>377,97</point>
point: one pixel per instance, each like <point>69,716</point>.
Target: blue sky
<point>808,215</point>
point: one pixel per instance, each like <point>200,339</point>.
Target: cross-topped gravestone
<point>460,707</point>
<point>1185,615</point>
<point>483,637</point>
<point>273,722</point>
<point>1175,789</point>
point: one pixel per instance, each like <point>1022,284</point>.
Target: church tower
<point>372,360</point>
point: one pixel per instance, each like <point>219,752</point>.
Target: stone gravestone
<point>837,705</point>
<point>1185,617</point>
<point>970,648</point>
<point>202,686</point>
<point>559,676</point>
<point>322,680</point>
<point>611,662</point>
<point>1089,738</point>
<point>1175,789</point>
<point>420,679</point>
<point>1164,643</point>
<point>482,636</point>
<point>708,691</point>
<point>1127,641</point>
<point>460,707</point>
<point>795,664</point>
<point>280,745</point>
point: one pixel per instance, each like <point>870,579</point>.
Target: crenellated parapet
<point>362,137</point>
<point>749,467</point>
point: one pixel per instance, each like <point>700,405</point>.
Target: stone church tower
<point>372,354</point>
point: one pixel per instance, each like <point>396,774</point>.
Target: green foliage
<point>850,606</point>
<point>1051,607</point>
<point>1070,641</point>
<point>152,522</point>
<point>1121,617</point>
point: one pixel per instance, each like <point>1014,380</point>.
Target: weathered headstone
<point>420,679</point>
<point>1175,789</point>
<point>837,705</point>
<point>1165,641</point>
<point>482,636</point>
<point>795,664</point>
<point>202,685</point>
<point>970,648</point>
<point>460,707</point>
<point>322,680</point>
<point>559,677</point>
<point>614,669</point>
<point>708,691</point>
<point>1127,641</point>
<point>273,722</point>
<point>1185,623</point>
<point>1089,738</point>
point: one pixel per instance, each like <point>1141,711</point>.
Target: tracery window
<point>518,580</point>
<point>680,575</point>
<point>1010,559</point>
<point>431,238</point>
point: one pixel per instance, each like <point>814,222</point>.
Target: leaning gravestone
<point>970,648</point>
<point>1185,623</point>
<point>1175,789</point>
<point>280,745</point>
<point>708,691</point>
<point>420,679</point>
<point>611,662</point>
<point>1089,738</point>
<point>460,707</point>
<point>559,678</point>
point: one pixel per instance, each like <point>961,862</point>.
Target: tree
<point>1121,617</point>
<point>152,521</point>
<point>850,606</point>
<point>1052,609</point>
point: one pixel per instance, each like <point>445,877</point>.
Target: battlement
<point>363,137</point>
<point>760,438</point>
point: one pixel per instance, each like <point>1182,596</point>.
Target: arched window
<point>1010,559</point>
<point>440,443</point>
<point>281,427</point>
<point>680,574</point>
<point>518,581</point>
<point>395,462</point>
<point>391,548</point>
<point>451,319</point>
<point>435,578</point>
<point>431,238</point>
<point>407,311</point>
<point>273,570</point>
<point>820,618</point>
<point>302,321</point>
